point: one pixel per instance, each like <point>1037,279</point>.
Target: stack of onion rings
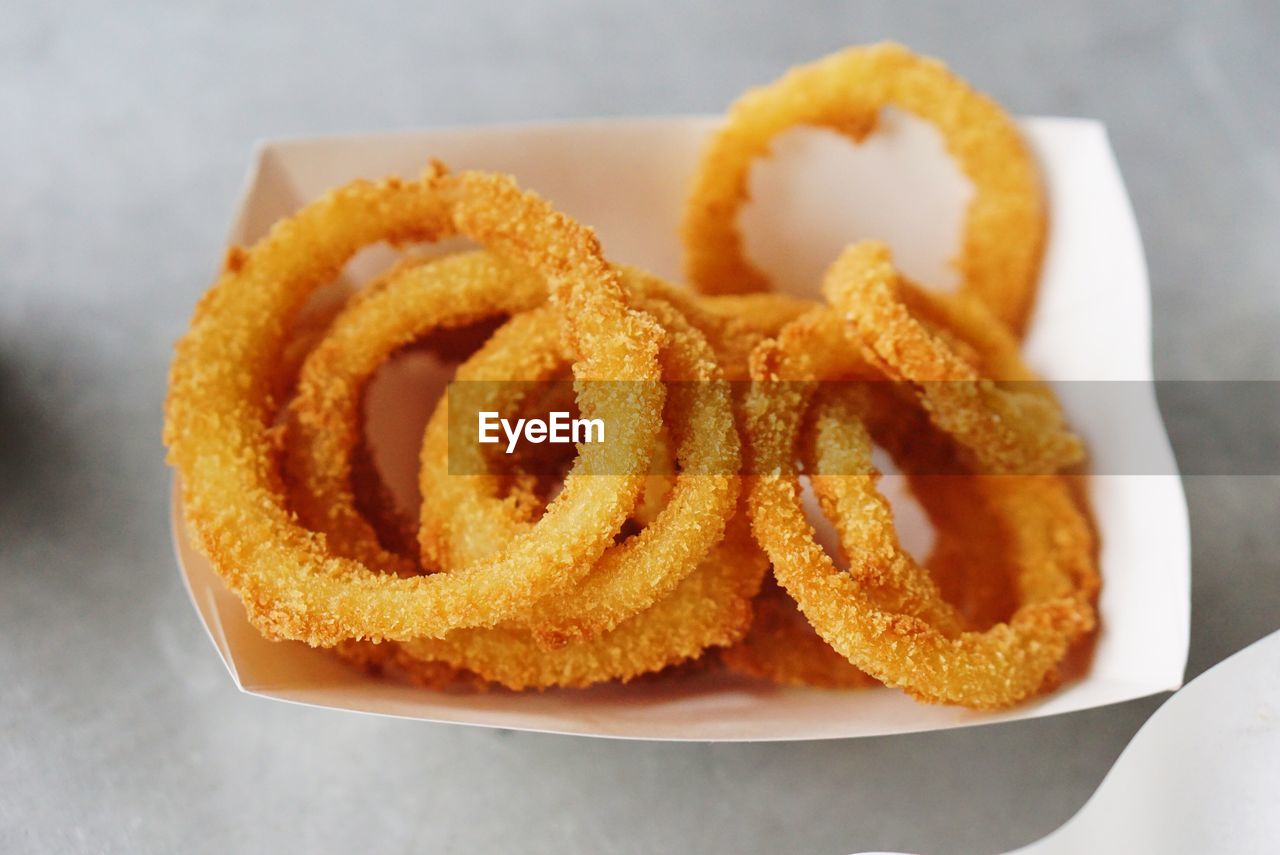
<point>219,414</point>
<point>602,562</point>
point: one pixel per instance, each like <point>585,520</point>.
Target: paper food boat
<point>628,179</point>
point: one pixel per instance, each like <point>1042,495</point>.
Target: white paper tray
<point>628,179</point>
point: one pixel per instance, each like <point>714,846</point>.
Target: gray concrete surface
<point>126,130</point>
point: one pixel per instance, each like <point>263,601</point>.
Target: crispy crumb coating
<point>783,648</point>
<point>734,324</point>
<point>971,561</point>
<point>703,613</point>
<point>709,607</point>
<point>837,454</point>
<point>360,341</point>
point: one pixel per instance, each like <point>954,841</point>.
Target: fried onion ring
<point>1004,231</point>
<point>884,630</point>
<point>969,560</point>
<point>963,363</point>
<point>709,607</point>
<point>468,521</point>
<point>782,648</point>
<point>220,409</point>
<point>322,444</point>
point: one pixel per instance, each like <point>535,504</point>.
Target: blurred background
<point>128,129</point>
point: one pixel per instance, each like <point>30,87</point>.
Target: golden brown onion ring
<point>782,648</point>
<point>709,607</point>
<point>709,610</point>
<point>391,659</point>
<point>964,365</point>
<point>996,668</point>
<point>325,418</point>
<point>1004,230</point>
<point>220,409</point>
<point>969,560</point>
<point>467,520</point>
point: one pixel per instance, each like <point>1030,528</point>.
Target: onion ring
<point>718,600</point>
<point>390,658</point>
<point>1004,230</point>
<point>969,561</point>
<point>709,607</point>
<point>220,407</point>
<point>992,669</point>
<point>322,444</point>
<point>988,399</point>
<point>967,564</point>
<point>370,494</point>
<point>468,520</point>
<point>782,648</point>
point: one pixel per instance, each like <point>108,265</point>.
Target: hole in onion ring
<point>873,188</point>
<point>398,402</point>
<point>915,533</point>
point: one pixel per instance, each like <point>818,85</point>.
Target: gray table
<point>126,132</point>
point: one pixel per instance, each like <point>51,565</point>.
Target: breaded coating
<point>711,606</point>
<point>783,648</point>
